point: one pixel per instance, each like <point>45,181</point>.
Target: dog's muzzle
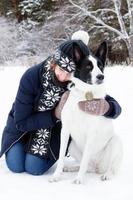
<point>100,78</point>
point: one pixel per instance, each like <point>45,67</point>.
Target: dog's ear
<point>102,52</point>
<point>77,53</point>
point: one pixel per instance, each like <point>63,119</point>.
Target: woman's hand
<point>94,107</point>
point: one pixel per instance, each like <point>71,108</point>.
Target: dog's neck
<point>82,89</point>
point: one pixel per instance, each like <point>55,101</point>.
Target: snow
<point>119,84</point>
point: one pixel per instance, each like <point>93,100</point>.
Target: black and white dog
<point>94,143</point>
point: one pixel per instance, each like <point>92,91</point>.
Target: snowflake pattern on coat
<point>40,139</point>
<point>39,142</point>
<point>51,94</point>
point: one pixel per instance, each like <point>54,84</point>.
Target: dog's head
<point>90,69</point>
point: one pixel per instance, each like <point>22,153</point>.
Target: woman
<point>31,138</point>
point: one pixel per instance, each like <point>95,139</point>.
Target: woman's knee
<point>15,158</point>
<point>35,165</point>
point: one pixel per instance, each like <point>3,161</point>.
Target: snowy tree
<point>37,10</point>
<point>124,32</point>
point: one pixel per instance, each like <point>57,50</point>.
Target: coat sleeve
<point>114,110</point>
<point>26,119</point>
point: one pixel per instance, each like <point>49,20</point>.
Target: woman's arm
<point>26,119</point>
<point>107,107</point>
<point>114,108</point>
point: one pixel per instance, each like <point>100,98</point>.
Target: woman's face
<point>61,74</point>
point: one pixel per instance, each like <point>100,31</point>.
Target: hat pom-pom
<point>81,35</point>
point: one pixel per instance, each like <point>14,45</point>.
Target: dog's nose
<point>100,77</point>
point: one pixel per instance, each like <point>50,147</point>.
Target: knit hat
<point>65,55</point>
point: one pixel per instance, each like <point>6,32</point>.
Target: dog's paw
<point>78,181</point>
<point>106,176</point>
<point>54,179</point>
<point>71,169</point>
<point>66,169</point>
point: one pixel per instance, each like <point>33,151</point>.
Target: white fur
<point>81,35</point>
<point>94,143</point>
<point>97,90</point>
<point>96,71</point>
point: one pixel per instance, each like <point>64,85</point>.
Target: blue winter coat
<point>23,117</point>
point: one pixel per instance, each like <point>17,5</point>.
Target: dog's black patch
<point>86,69</point>
<point>85,66</point>
<point>100,64</point>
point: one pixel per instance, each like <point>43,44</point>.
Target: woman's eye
<point>61,69</point>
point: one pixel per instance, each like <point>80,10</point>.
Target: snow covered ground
<point>119,82</point>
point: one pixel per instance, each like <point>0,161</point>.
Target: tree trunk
<point>129,43</point>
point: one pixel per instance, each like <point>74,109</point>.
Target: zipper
<point>20,138</point>
<point>52,154</point>
<point>15,141</point>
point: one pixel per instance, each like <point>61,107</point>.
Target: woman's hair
<point>52,63</point>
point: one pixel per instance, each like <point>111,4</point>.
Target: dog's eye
<point>89,67</point>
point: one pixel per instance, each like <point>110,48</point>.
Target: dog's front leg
<point>63,146</point>
<point>89,148</point>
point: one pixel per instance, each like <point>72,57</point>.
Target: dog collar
<point>89,96</point>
